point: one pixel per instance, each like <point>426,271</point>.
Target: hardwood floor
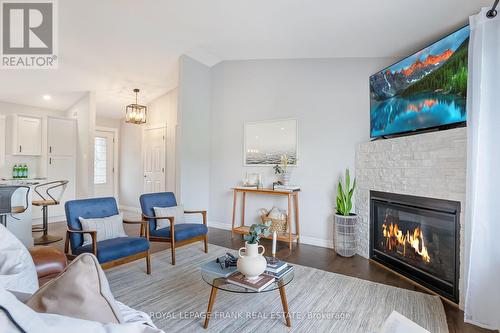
<point>312,256</point>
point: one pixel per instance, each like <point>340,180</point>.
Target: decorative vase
<point>344,234</point>
<point>252,263</point>
<point>285,177</point>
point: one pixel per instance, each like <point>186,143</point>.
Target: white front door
<point>154,159</point>
<point>104,185</point>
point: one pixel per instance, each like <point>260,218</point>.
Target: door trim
<point>150,127</point>
<point>116,157</point>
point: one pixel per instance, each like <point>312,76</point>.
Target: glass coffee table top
<point>222,284</point>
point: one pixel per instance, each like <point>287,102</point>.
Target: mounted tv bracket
<point>493,11</point>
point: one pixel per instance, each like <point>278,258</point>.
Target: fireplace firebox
<point>418,238</point>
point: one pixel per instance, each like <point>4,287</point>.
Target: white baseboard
<point>303,239</point>
<point>316,241</point>
<point>219,225</point>
<point>130,209</point>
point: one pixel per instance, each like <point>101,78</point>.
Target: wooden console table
<point>288,236</point>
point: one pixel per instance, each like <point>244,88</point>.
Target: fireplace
<point>418,238</point>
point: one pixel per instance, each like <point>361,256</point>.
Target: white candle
<point>274,244</point>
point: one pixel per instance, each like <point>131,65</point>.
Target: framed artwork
<point>266,141</point>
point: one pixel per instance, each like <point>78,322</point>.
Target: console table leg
<point>297,223</point>
<point>288,221</point>
<point>284,302</point>
<point>211,302</point>
<point>235,197</point>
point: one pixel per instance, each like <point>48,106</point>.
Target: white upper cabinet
<point>26,135</point>
<point>61,137</point>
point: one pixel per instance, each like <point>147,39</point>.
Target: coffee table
<point>220,283</point>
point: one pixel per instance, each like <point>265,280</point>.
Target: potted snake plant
<point>345,221</point>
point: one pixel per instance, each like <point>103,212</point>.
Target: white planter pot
<point>344,234</point>
<point>252,263</point>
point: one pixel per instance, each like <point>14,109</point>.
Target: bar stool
<point>6,208</point>
<point>48,200</point>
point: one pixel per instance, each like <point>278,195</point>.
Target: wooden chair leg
<point>172,245</point>
<point>148,263</point>
<point>206,243</point>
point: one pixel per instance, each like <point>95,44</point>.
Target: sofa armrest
<point>49,262</point>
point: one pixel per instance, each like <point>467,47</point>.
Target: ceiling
<point>114,46</point>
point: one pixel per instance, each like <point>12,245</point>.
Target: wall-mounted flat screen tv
<point>426,90</point>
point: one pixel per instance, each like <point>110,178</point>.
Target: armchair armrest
<point>170,218</point>
<point>202,212</point>
<point>144,226</point>
<point>93,235</point>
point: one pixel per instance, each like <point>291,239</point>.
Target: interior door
<point>154,159</point>
<point>104,168</point>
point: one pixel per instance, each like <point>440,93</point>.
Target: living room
<point>236,166</point>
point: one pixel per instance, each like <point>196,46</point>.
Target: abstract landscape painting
<point>267,141</point>
<point>425,90</point>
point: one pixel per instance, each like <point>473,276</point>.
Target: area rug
<point>176,297</point>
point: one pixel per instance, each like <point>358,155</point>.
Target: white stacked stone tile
<point>428,165</point>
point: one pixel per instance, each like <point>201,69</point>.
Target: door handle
<point>20,149</point>
<point>50,149</point>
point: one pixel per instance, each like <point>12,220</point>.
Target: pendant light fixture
<point>135,113</point>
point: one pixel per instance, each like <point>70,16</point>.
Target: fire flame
<point>414,240</point>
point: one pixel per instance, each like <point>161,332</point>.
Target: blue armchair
<point>110,252</point>
<point>177,235</point>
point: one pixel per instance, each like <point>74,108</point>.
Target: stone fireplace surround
<point>427,165</point>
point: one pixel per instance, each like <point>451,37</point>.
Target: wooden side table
<point>293,205</point>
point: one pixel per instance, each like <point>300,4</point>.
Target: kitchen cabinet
<point>61,136</point>
<point>61,163</point>
<point>25,135</point>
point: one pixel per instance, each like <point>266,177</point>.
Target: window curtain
<point>482,225</point>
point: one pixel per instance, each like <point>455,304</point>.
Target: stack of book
<point>259,284</point>
<point>277,269</point>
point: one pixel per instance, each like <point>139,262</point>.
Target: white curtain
<point>482,225</point>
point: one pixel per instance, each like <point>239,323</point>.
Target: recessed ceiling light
<point>47,97</point>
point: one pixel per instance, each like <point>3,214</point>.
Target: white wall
<point>131,177</point>
<point>84,111</point>
<point>162,110</point>
<point>330,99</point>
<point>193,158</point>
<point>107,122</point>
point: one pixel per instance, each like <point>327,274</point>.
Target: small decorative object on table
<point>276,216</point>
<point>345,221</point>
<point>252,264</point>
<point>282,170</point>
<point>252,180</point>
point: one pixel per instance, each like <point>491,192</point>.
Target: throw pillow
<point>17,270</point>
<point>176,211</point>
<point>80,291</point>
<point>17,317</point>
<point>106,227</point>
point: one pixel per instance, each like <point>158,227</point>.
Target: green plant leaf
<point>347,180</point>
